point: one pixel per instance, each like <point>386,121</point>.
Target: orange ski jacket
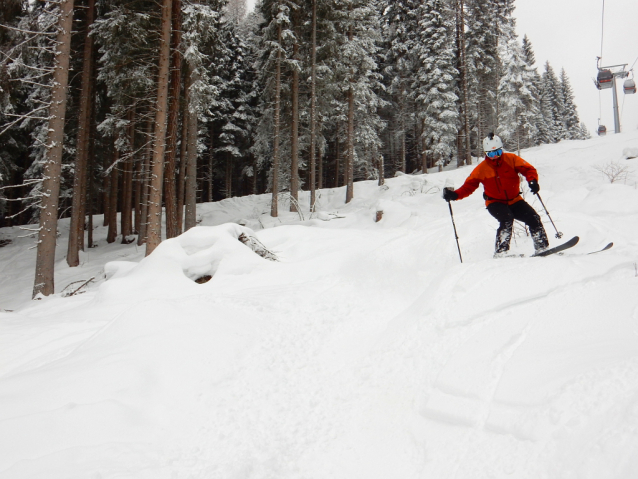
<point>500,179</point>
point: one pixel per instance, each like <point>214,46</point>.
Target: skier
<point>498,173</point>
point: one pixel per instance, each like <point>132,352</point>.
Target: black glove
<point>533,186</point>
<point>449,194</point>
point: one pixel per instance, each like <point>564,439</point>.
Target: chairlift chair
<point>602,130</point>
<point>629,86</point>
<point>605,79</point>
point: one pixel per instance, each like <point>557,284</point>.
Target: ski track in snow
<point>367,352</point>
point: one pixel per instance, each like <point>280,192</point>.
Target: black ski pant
<point>521,211</point>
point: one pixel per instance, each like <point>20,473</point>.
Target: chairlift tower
<point>607,79</point>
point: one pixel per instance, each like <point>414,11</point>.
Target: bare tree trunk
<point>157,164</point>
<point>182,168</point>
<point>275,160</point>
<point>190,219</point>
<point>254,179</point>
<point>294,141</point>
<point>338,159</point>
<point>113,191</point>
<point>76,228</point>
<point>89,222</point>
<point>126,218</point>
<point>106,192</point>
<point>170,195</point>
<point>349,173</point>
<point>211,164</point>
<point>350,141</point>
<point>423,147</point>
<point>466,122</point>
<point>145,182</point>
<point>89,184</point>
<point>313,106</point>
<point>404,165</point>
<point>45,260</point>
<point>381,170</point>
<point>138,180</point>
<point>320,166</point>
<point>229,175</point>
<point>137,195</point>
<point>479,122</point>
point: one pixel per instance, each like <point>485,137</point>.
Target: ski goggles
<point>494,153</point>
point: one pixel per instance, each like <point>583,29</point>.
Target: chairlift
<point>602,130</point>
<point>605,79</point>
<point>629,86</point>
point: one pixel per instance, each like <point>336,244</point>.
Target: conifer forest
<point>137,110</point>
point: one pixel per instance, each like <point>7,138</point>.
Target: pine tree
<point>482,64</point>
<point>322,69</point>
<point>128,44</point>
<point>202,40</point>
<point>275,31</point>
<point>80,179</point>
<point>26,70</point>
<point>45,259</point>
<point>236,10</point>
<point>229,116</point>
<point>465,149</point>
<point>569,114</point>
<point>154,234</point>
<point>552,106</point>
<point>584,132</point>
<point>400,27</point>
<point>173,229</point>
<point>435,82</point>
<point>518,106</point>
<point>542,129</point>
<point>356,76</point>
<point>15,55</point>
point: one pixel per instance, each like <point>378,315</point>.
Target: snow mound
<point>172,268</point>
<point>630,153</point>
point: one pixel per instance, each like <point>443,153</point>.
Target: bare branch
<point>29,183</point>
<point>614,171</point>
<point>19,213</point>
<point>26,31</point>
<point>75,291</point>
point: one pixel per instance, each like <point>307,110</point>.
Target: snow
<point>367,351</point>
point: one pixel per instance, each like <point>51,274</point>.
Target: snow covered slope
<point>368,351</point>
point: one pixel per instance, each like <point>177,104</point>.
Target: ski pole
<point>558,233</point>
<point>455,234</point>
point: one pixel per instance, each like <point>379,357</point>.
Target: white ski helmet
<point>492,142</point>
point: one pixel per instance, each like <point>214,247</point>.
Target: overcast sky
<point>567,33</point>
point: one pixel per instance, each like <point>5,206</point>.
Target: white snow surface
<point>367,351</point>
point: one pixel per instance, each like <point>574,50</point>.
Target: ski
<point>603,249</point>
<point>557,249</point>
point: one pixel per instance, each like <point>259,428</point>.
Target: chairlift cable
<point>602,36</point>
<point>602,32</point>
